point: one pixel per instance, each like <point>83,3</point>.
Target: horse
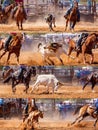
<point>19,16</point>
<point>52,50</point>
<point>5,14</point>
<point>92,78</point>
<point>71,18</point>
<point>5,109</point>
<point>30,108</point>
<point>51,21</point>
<point>25,77</point>
<point>6,73</point>
<point>14,47</point>
<point>31,120</point>
<point>87,47</point>
<point>84,111</point>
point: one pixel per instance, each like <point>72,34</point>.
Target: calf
<point>49,80</point>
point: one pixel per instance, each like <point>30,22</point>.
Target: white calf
<point>48,80</point>
<point>47,52</point>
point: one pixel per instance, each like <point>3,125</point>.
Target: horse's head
<point>38,114</point>
<point>74,10</point>
<point>32,70</point>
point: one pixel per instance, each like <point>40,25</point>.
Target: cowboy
<point>75,4</point>
<point>1,102</point>
<point>96,105</point>
<point>81,40</point>
<point>20,76</point>
<point>5,4</point>
<point>8,41</point>
<point>5,68</point>
<point>19,3</point>
<point>30,103</point>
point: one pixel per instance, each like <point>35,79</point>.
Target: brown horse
<point>87,47</point>
<point>31,120</point>
<point>85,111</point>
<point>14,47</point>
<point>71,18</point>
<point>5,110</point>
<point>4,15</point>
<point>20,15</point>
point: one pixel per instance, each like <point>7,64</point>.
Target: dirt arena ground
<point>63,92</point>
<point>48,125</point>
<point>35,58</point>
<point>42,27</point>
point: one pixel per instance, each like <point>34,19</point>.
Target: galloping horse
<point>31,120</point>
<point>26,77</point>
<point>20,15</point>
<point>85,111</point>
<point>14,47</point>
<point>87,47</point>
<point>51,21</point>
<point>4,15</point>
<point>71,18</point>
<point>92,78</point>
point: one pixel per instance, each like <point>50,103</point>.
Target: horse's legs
<point>17,55</point>
<point>81,119</point>
<point>92,58</point>
<point>69,53</point>
<point>95,122</point>
<point>3,54</point>
<point>21,24</point>
<point>54,22</point>
<point>77,55</point>
<point>17,23</point>
<point>8,57</point>
<point>66,24</point>
<point>85,85</point>
<point>76,120</point>
<point>50,26</point>
<point>13,86</point>
<point>93,85</point>
<point>49,61</point>
<point>27,87</point>
<point>73,25</point>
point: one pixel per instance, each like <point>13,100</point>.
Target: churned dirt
<point>62,92</point>
<point>35,58</point>
<point>48,125</point>
<point>42,27</point>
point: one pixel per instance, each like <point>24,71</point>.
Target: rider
<point>21,68</point>
<point>19,3</point>
<point>26,108</point>
<point>5,4</point>
<point>96,105</point>
<point>75,4</point>
<point>5,68</point>
<point>1,102</point>
<point>10,37</point>
<point>82,38</point>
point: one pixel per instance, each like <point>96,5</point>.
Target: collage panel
<point>49,81</point>
<point>48,15</point>
<point>48,49</point>
<point>46,114</point>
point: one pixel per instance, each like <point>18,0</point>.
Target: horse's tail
<point>76,110</point>
<point>40,44</point>
<point>7,79</point>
